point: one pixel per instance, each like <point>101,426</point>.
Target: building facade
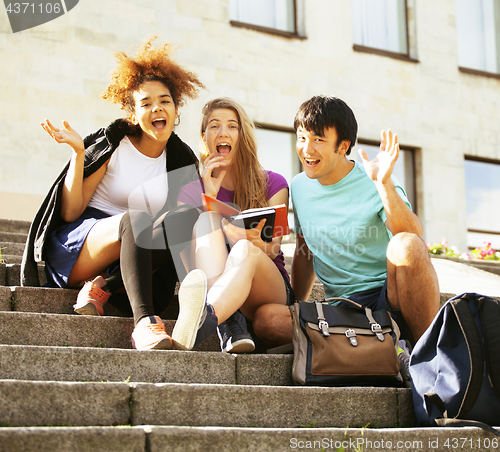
<point>427,70</point>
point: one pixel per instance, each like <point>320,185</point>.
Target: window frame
<point>389,53</point>
<point>474,158</point>
<point>273,31</point>
<point>479,72</point>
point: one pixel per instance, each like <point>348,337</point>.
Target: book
<point>251,219</point>
<point>276,217</point>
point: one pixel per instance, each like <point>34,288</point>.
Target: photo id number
<point>34,8</point>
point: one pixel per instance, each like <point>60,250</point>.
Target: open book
<point>276,224</point>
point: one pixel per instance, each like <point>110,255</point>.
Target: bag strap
<point>490,319</point>
<point>445,421</point>
<point>323,324</point>
<point>467,324</point>
<point>357,305</point>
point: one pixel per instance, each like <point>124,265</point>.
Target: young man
<point>355,228</point>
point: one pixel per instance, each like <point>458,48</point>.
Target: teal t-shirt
<point>344,227</point>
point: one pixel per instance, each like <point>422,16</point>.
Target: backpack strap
<point>465,319</point>
<point>445,421</point>
<point>490,319</point>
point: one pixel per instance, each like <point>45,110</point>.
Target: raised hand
<point>66,135</point>
<point>381,167</point>
<point>212,184</point>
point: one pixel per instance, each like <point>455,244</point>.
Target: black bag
<point>455,365</point>
<point>344,345</point>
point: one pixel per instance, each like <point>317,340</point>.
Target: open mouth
<point>311,162</point>
<point>159,123</point>
<point>223,149</point>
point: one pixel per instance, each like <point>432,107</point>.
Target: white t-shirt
<point>132,181</point>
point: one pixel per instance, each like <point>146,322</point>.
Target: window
<point>478,34</point>
<point>482,185</point>
<point>276,15</point>
<point>404,170</point>
<point>380,24</point>
<point>277,151</point>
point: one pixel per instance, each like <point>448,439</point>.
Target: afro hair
<point>150,64</point>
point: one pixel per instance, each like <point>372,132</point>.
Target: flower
<point>485,253</point>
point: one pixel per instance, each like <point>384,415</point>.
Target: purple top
<point>191,194</point>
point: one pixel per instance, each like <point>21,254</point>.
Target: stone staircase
<point>73,383</point>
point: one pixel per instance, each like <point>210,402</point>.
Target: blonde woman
<point>238,275</point>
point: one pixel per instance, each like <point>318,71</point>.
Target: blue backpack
<point>455,365</point>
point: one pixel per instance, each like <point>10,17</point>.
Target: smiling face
<point>322,158</point>
<point>155,110</point>
<point>222,133</point>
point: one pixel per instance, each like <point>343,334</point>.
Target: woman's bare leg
<point>100,249</point>
<point>210,246</point>
<point>250,280</point>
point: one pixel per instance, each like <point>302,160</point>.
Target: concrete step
<point>10,258</point>
<point>25,328</point>
<point>230,439</point>
<point>10,274</point>
<point>60,301</point>
<point>17,226</point>
<point>13,237</point>
<point>12,248</point>
<point>108,404</point>
<point>43,363</point>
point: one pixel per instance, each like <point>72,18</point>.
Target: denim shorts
<point>376,299</point>
<point>65,243</point>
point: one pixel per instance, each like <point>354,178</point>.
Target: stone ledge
<point>13,237</point>
<point>16,226</point>
<point>489,266</point>
<point>5,299</point>
<point>73,439</point>
<point>107,404</point>
<point>264,406</point>
<point>227,439</point>
<point>80,364</point>
<point>24,403</point>
<point>26,328</point>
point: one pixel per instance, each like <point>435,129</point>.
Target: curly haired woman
<point>106,214</point>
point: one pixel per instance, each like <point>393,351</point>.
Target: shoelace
<point>234,327</point>
<point>157,328</point>
<point>98,294</point>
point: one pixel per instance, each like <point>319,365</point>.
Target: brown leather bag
<point>344,345</point>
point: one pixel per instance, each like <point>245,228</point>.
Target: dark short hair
<point>323,112</point>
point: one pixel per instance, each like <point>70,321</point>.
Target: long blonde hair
<point>249,177</point>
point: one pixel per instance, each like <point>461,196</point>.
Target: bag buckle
<point>377,329</point>
<point>351,335</point>
<point>323,326</point>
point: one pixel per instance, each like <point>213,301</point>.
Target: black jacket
<point>98,149</point>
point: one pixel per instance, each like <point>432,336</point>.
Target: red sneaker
<point>149,334</point>
<point>92,297</point>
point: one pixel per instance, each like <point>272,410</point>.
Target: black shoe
<point>233,335</point>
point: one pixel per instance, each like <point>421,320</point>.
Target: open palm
<point>381,167</point>
<point>65,135</point>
